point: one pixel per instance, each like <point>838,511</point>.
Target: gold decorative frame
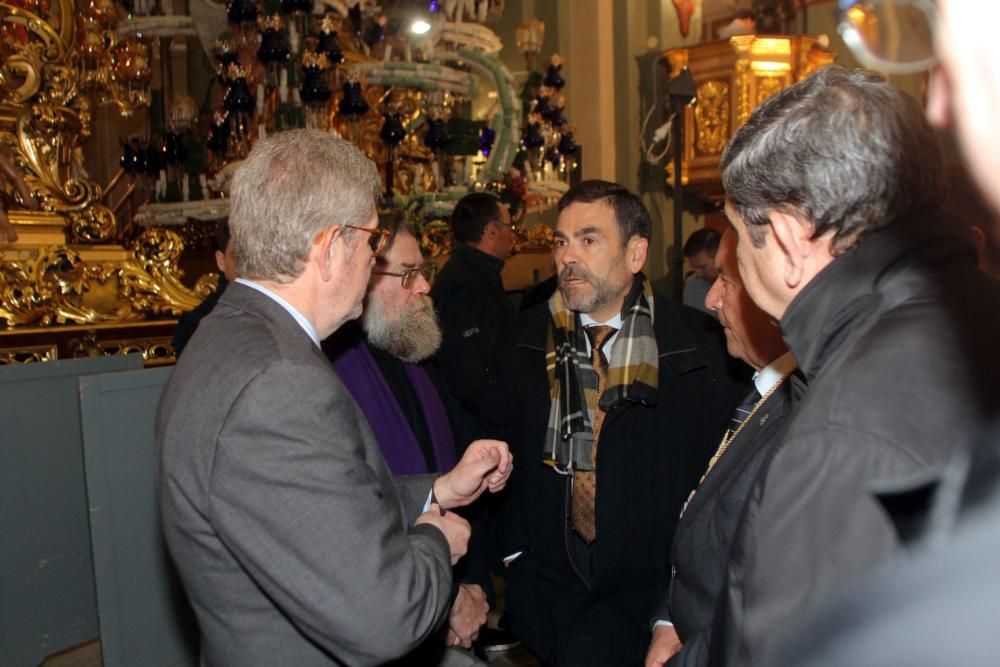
<point>66,268</point>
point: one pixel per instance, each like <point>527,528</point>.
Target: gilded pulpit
<point>731,78</point>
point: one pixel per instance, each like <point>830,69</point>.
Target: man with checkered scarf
<point>613,399</point>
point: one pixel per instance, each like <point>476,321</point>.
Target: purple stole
<point>361,375</point>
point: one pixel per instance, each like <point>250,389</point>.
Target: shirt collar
<point>767,377</point>
<point>303,321</point>
<point>588,321</point>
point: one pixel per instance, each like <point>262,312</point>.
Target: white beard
<point>412,336</point>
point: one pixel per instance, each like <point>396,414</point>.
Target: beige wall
<point>591,89</point>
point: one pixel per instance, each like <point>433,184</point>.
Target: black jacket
<point>190,320</point>
<point>705,532</point>
<point>650,458</point>
<point>474,312</point>
<point>897,339</point>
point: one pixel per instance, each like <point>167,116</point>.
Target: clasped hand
<point>486,464</point>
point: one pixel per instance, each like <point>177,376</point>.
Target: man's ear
<point>979,239</point>
<point>491,230</point>
<point>220,261</point>
<point>635,253</point>
<point>325,248</point>
<point>793,237</point>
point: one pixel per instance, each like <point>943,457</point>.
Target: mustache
<point>575,272</point>
<point>421,304</point>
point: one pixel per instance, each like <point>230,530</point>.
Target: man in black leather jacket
<point>835,187</point>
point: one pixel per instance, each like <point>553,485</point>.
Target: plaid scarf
<point>633,375</point>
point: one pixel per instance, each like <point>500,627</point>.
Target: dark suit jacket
<point>650,457</point>
<point>285,524</point>
<point>474,312</point>
<point>705,531</point>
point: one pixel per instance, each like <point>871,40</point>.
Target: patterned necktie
<point>585,481</point>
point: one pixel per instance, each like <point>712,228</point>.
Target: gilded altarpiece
<point>731,78</point>
<point>69,284</point>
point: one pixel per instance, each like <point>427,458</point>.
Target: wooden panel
<point>46,575</point>
<point>144,616</point>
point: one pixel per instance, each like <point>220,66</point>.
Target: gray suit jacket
<point>287,528</point>
<point>705,532</point>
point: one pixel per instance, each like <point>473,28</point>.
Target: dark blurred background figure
<point>188,322</point>
<point>699,250</point>
<point>472,306</point>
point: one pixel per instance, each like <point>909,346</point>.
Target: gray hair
<point>291,187</point>
<point>841,149</point>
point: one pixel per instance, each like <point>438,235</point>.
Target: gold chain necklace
<point>730,435</point>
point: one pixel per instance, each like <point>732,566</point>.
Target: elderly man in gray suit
<point>682,631</point>
<point>294,543</point>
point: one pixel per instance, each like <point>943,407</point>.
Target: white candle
<point>260,98</point>
<point>469,174</point>
<point>186,188</point>
<point>436,170</point>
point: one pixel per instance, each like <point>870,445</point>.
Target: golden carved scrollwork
<point>207,283</point>
<point>435,238</point>
<point>68,287</point>
<point>33,62</point>
<point>45,138</point>
<point>153,284</point>
<point>768,86</point>
<point>47,95</point>
<point>154,351</point>
<point>33,354</point>
<point>59,287</point>
<point>711,117</point>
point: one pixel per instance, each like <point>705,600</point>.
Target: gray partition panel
<point>46,575</point>
<point>144,616</point>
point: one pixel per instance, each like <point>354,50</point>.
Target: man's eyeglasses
<point>378,239</point>
<point>890,36</point>
<point>410,275</point>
